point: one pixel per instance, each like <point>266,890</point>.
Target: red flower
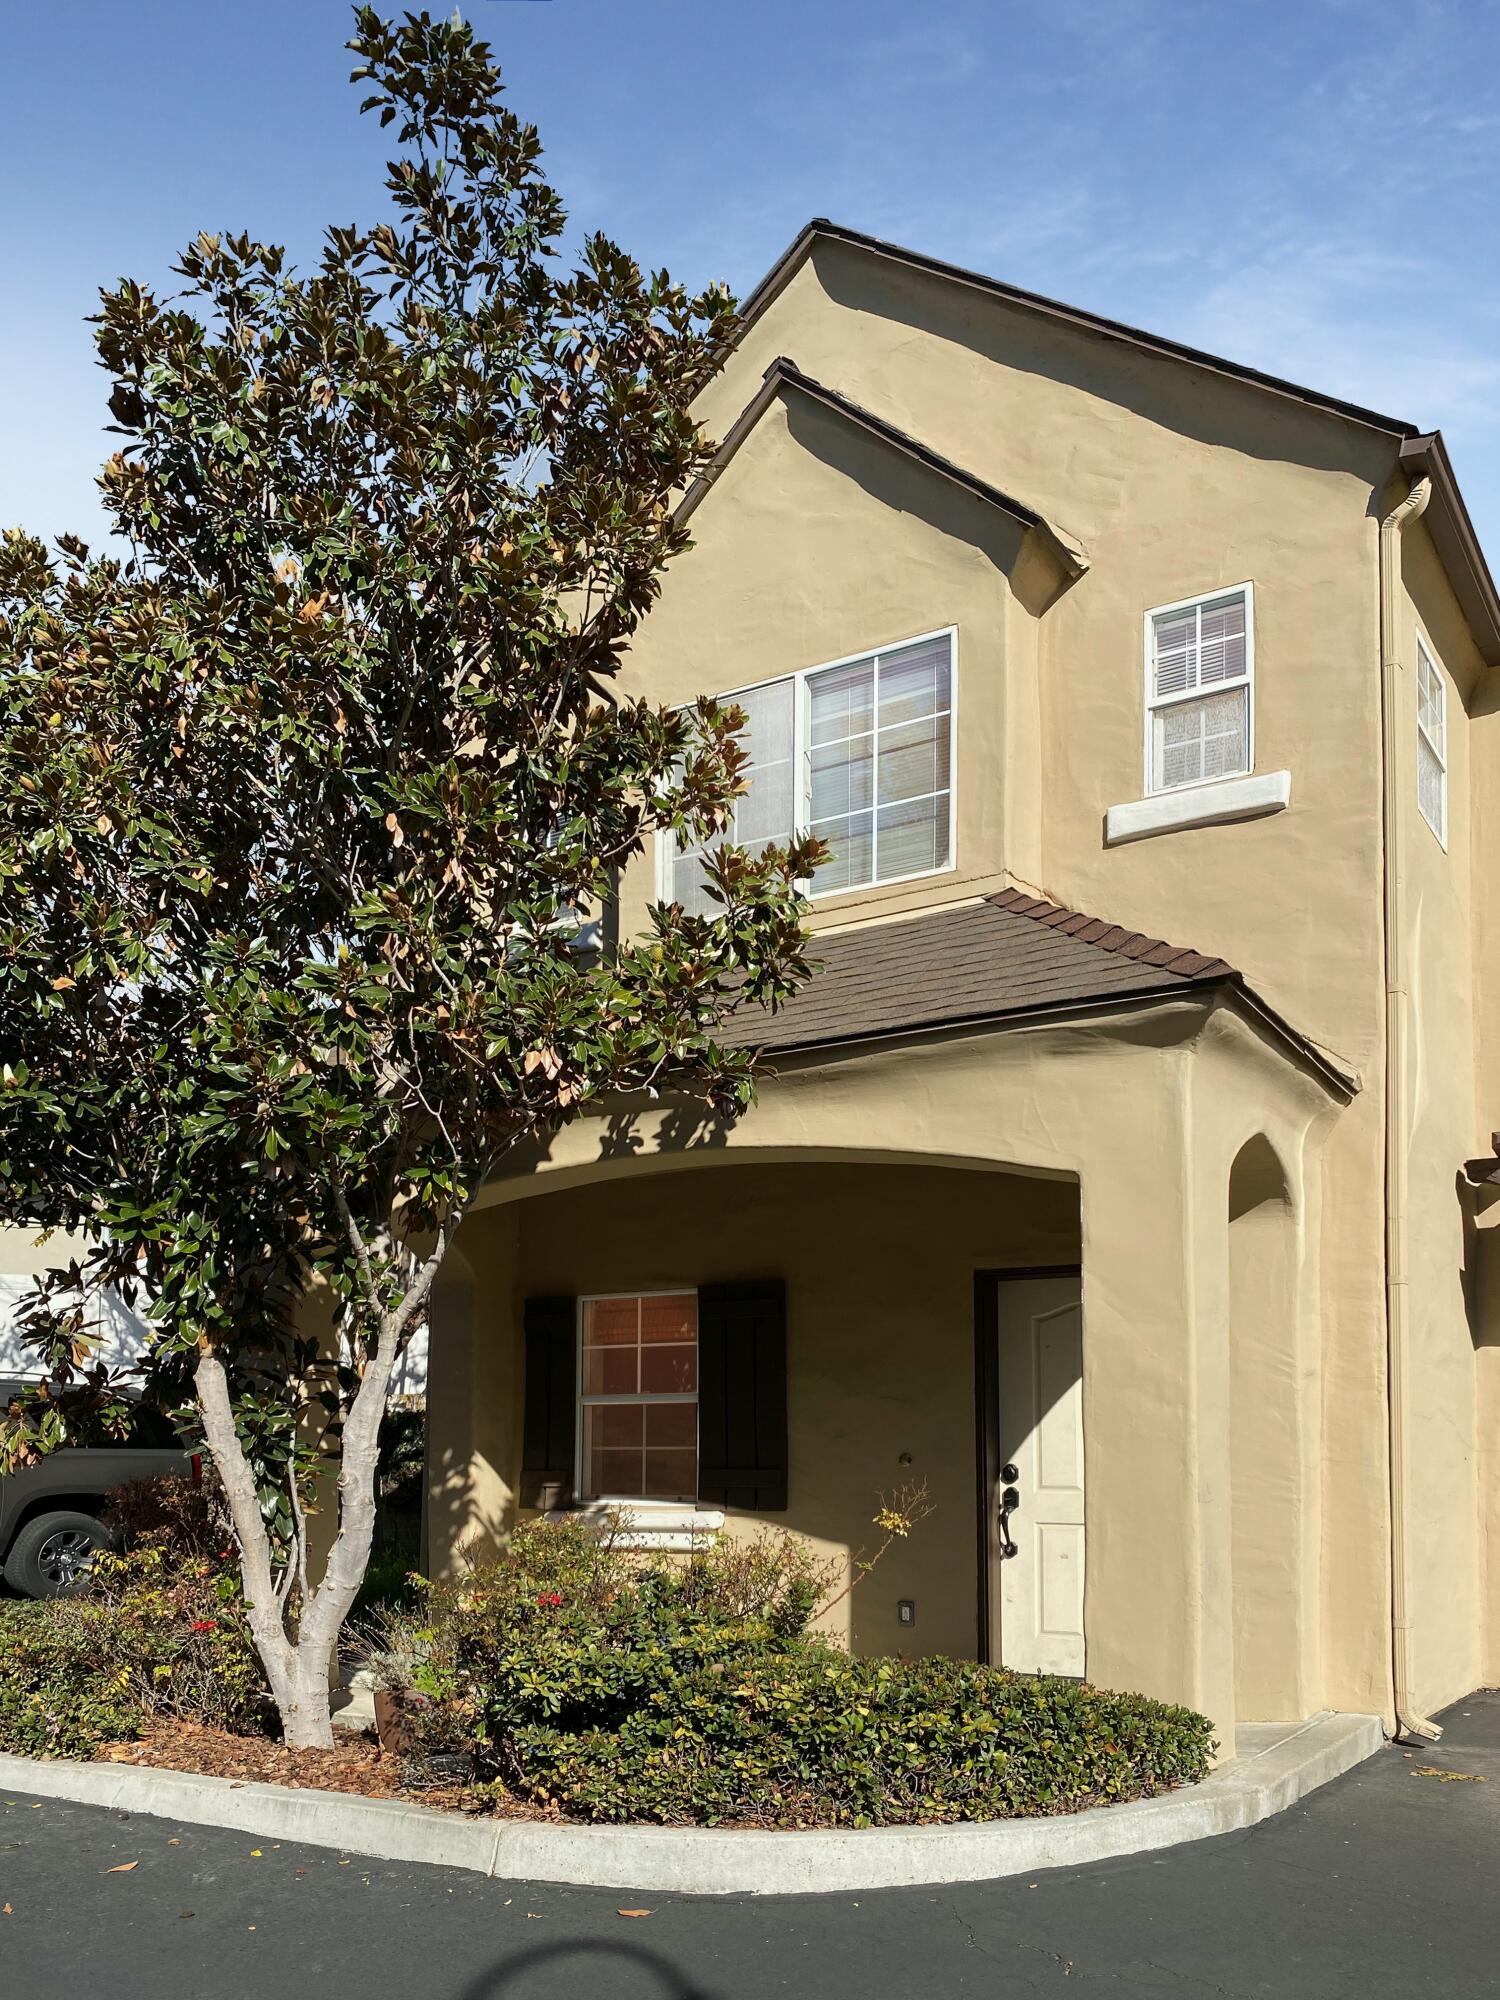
<point>205,1625</point>
<point>551,1597</point>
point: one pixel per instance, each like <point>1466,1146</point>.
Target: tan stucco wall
<point>1174,482</point>
<point>1266,1340</point>
<point>1445,1111</point>
<point>1483,1251</point>
<point>1148,1113</point>
<point>879,550</point>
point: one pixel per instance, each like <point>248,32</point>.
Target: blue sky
<point>1308,187</point>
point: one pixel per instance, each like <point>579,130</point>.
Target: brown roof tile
<point>1009,954</point>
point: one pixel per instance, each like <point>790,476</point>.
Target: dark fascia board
<point>1339,1083</point>
<point>787,264</point>
<point>783,374</point>
<point>1454,539</point>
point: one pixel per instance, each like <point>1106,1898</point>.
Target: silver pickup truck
<point>49,1512</point>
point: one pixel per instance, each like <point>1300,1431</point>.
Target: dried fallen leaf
<point>7,1911</point>
<point>1447,1777</point>
<point>174,1841</point>
<point>122,1867</point>
<point>632,1913</point>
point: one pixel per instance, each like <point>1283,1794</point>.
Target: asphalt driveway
<point>1383,1883</point>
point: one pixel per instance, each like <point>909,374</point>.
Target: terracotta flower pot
<point>393,1724</point>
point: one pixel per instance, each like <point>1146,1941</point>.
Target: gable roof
<point>1419,452</point>
<point>1009,957</point>
<point>783,375</point>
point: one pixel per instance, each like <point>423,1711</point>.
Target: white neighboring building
<point>23,1253</point>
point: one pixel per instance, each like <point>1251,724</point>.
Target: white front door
<point>1040,1470</point>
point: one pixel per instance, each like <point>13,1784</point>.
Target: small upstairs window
<point>1432,742</point>
<point>1199,681</point>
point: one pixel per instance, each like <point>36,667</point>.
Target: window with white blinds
<point>1432,742</point>
<point>1199,686</point>
<point>860,753</point>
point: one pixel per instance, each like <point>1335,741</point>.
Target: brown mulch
<point>355,1764</point>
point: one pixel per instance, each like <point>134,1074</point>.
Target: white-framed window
<point>1200,681</point>
<point>638,1396</point>
<point>858,751</point>
<point>1432,742</point>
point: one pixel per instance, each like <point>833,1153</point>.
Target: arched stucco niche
<point>1266,1427</point>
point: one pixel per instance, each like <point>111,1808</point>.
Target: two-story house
<point>1111,1180</point>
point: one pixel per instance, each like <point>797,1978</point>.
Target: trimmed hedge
<point>692,1692</point>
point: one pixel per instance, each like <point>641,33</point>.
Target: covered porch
<point>1072,1260</point>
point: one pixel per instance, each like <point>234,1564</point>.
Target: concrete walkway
<point>1379,1886</point>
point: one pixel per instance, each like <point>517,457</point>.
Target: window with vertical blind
<point>859,752</point>
<point>1432,742</point>
<point>1199,690</point>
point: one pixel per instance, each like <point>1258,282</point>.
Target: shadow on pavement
<point>665,1981</point>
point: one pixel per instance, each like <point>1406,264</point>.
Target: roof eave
<point>787,264</point>
<point>1456,542</point>
<point>783,374</point>
<point>1452,529</point>
<point>1338,1082</point>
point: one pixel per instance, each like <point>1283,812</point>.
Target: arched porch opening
<point>878,1259</point>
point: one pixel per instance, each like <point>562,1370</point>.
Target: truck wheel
<point>52,1554</point>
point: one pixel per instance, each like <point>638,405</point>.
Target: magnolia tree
<point>303,805</point>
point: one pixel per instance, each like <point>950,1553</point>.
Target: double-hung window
<point>1432,742</point>
<point>859,752</point>
<point>1200,657</point>
<point>638,1400</point>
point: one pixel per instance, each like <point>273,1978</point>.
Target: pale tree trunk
<point>297,1667</point>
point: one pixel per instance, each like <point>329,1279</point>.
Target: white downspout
<point>1394,707</point>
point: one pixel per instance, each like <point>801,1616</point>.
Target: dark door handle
<point>1010,1500</point>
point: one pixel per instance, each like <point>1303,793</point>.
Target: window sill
<point>650,1524</point>
<point>1217,804</point>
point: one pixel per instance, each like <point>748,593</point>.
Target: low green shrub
<point>178,1629</point>
<point>681,1691</point>
<point>161,1631</point>
<point>61,1695</point>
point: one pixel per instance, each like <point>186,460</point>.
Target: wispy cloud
<point>1307,185</point>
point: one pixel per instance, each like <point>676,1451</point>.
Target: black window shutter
<point>742,1453</point>
<point>551,1402</point>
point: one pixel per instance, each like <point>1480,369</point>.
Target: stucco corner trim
<point>1199,805</point>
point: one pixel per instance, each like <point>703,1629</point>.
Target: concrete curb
<point>1278,1764</point>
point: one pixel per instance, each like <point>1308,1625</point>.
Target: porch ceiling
<point>1009,955</point>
